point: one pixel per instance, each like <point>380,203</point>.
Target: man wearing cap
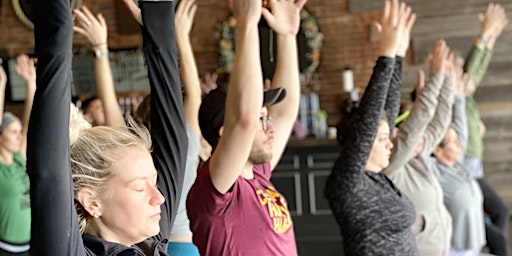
<point>233,207</point>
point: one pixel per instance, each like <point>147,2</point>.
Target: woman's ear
<point>88,198</point>
<point>394,133</point>
<point>88,118</point>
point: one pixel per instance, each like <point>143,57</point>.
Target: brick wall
<point>346,40</point>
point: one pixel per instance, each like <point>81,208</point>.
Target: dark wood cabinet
<point>300,177</point>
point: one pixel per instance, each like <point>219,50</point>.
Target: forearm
<point>190,81</point>
<point>460,122</point>
<point>286,76</point>
<point>412,128</point>
<point>473,60</point>
<point>477,63</point>
<point>436,130</point>
<point>167,122</point>
<point>245,94</point>
<point>392,106</point>
<point>106,91</point>
<point>27,108</point>
<point>484,65</point>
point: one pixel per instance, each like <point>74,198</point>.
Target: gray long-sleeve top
<point>462,195</point>
<point>374,217</point>
<point>430,115</point>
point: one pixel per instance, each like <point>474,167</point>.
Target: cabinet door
<point>300,177</point>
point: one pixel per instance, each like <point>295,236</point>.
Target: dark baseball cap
<point>211,112</point>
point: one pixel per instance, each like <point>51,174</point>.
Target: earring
<point>96,215</point>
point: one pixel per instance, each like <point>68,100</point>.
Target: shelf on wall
<point>128,71</point>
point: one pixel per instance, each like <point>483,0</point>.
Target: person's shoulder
<point>203,183</point>
<point>19,159</point>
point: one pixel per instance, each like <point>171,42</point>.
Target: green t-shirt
<point>14,202</point>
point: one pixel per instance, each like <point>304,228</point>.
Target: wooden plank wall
<point>456,22</point>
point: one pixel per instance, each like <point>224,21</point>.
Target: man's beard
<point>260,157</point>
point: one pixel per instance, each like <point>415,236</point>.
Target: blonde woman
<point>118,198</point>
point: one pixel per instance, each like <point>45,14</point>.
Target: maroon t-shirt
<point>250,219</point>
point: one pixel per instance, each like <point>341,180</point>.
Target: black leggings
<point>497,230</point>
<point>6,253</point>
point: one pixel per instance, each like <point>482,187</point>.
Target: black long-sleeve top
<point>374,217</point>
<point>55,229</point>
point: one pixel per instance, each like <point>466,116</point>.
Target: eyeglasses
<point>265,121</point>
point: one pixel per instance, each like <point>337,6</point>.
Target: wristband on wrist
<point>100,54</point>
<point>481,40</point>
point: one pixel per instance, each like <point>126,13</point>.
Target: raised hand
<point>492,24</point>
<point>25,68</point>
<point>438,58</point>
<point>206,150</point>
<point>92,27</point>
<point>493,21</point>
<point>450,69</point>
<point>209,83</point>
<point>405,32</point>
<point>185,13</point>
<point>284,17</point>
<point>387,29</point>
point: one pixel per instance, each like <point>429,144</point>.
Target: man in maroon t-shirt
<point>233,207</point>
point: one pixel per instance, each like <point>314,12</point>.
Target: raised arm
<point>25,68</point>
<point>421,114</point>
<point>392,106</point>
<point>54,226</point>
<point>243,101</point>
<point>95,29</point>
<point>284,19</point>
<point>492,24</point>
<point>460,119</point>
<point>185,14</point>
<point>167,120</point>
<point>359,140</point>
<point>436,129</point>
<point>460,123</point>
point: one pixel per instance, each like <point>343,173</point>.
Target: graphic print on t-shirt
<point>277,208</point>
